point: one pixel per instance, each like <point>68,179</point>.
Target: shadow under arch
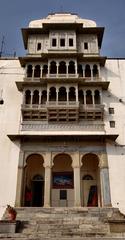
<point>90,180</point>
<point>33,192</point>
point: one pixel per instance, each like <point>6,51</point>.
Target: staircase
<point>68,223</point>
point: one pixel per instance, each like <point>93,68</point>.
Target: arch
<point>62,96</point>
<point>90,180</point>
<point>95,71</point>
<point>44,97</point>
<point>81,96</point>
<point>52,94</point>
<point>62,173</point>
<point>62,67</point>
<point>89,97</point>
<point>29,70</point>
<point>53,67</point>
<point>97,97</point>
<point>80,70</point>
<point>45,70</point>
<point>87,177</point>
<point>28,97</point>
<point>72,95</point>
<point>37,71</point>
<point>33,184</point>
<point>71,67</point>
<point>36,97</point>
<point>87,71</point>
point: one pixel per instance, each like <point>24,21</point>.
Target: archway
<point>62,181</point>
<point>90,181</point>
<point>34,181</point>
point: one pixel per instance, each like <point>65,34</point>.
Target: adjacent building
<point>62,139</point>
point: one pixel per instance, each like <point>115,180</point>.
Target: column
<point>26,71</point>
<point>84,92</point>
<point>104,179</point>
<point>41,72</point>
<point>67,65</point>
<point>19,180</point>
<point>93,97</point>
<point>31,101</point>
<point>83,70</point>
<point>57,67</point>
<point>47,187</point>
<point>67,92</point>
<point>33,73</point>
<point>48,69</point>
<point>57,95</point>
<point>77,191</point>
<point>47,94</point>
<point>99,71</point>
<point>75,68</point>
<point>76,90</point>
<point>91,68</point>
<point>40,95</point>
<point>100,94</point>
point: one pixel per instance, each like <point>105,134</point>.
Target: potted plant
<point>11,213</point>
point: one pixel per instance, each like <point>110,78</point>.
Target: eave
<point>80,81</point>
<point>62,137</point>
<point>80,57</point>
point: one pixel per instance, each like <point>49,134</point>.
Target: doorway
<point>37,191</point>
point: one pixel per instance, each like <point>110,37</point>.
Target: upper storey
<point>63,33</point>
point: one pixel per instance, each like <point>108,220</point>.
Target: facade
<point>62,119</point>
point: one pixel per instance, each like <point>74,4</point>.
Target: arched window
<point>87,177</point>
<point>62,68</point>
<point>71,67</point>
<point>37,71</point>
<point>45,70</point>
<point>52,95</point>
<point>53,68</point>
<point>44,97</point>
<point>81,96</point>
<point>80,70</point>
<point>95,71</point>
<point>88,97</point>
<point>97,97</point>
<point>36,97</point>
<point>87,71</point>
<point>37,178</point>
<point>29,71</point>
<point>62,94</point>
<point>27,97</point>
<point>72,96</point>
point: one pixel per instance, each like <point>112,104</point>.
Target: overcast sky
<point>16,14</point>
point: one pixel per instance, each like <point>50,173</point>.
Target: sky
<point>16,14</point>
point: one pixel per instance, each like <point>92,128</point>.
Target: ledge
<point>50,136</point>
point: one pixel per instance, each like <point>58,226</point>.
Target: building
<point>62,118</point>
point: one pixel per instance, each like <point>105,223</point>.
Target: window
<point>62,42</point>
<point>85,45</point>
<point>63,195</point>
<point>112,124</point>
<point>111,110</point>
<point>38,46</point>
<point>70,42</point>
<point>54,42</point>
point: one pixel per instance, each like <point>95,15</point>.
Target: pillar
<point>47,187</point>
<point>19,180</point>
<point>33,73</point>
<point>104,179</point>
<point>91,68</point>
<point>77,191</point>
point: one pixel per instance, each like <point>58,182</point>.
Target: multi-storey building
<point>62,118</point>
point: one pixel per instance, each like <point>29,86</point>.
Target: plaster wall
<point>10,71</point>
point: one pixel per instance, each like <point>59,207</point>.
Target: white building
<point>62,121</point>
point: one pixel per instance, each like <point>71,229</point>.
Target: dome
<point>61,18</point>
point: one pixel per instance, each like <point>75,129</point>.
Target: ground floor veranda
<point>63,176</point>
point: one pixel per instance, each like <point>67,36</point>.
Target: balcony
<point>62,111</point>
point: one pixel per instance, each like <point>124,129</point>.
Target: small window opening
<point>62,42</point>
<point>112,124</point>
<point>63,195</point>
<point>70,42</point>
<point>111,110</point>
<point>86,45</point>
<point>54,42</point>
<point>38,46</point>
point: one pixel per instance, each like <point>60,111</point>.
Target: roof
<point>61,17</point>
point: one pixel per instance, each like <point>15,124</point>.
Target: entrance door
<point>38,192</point>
